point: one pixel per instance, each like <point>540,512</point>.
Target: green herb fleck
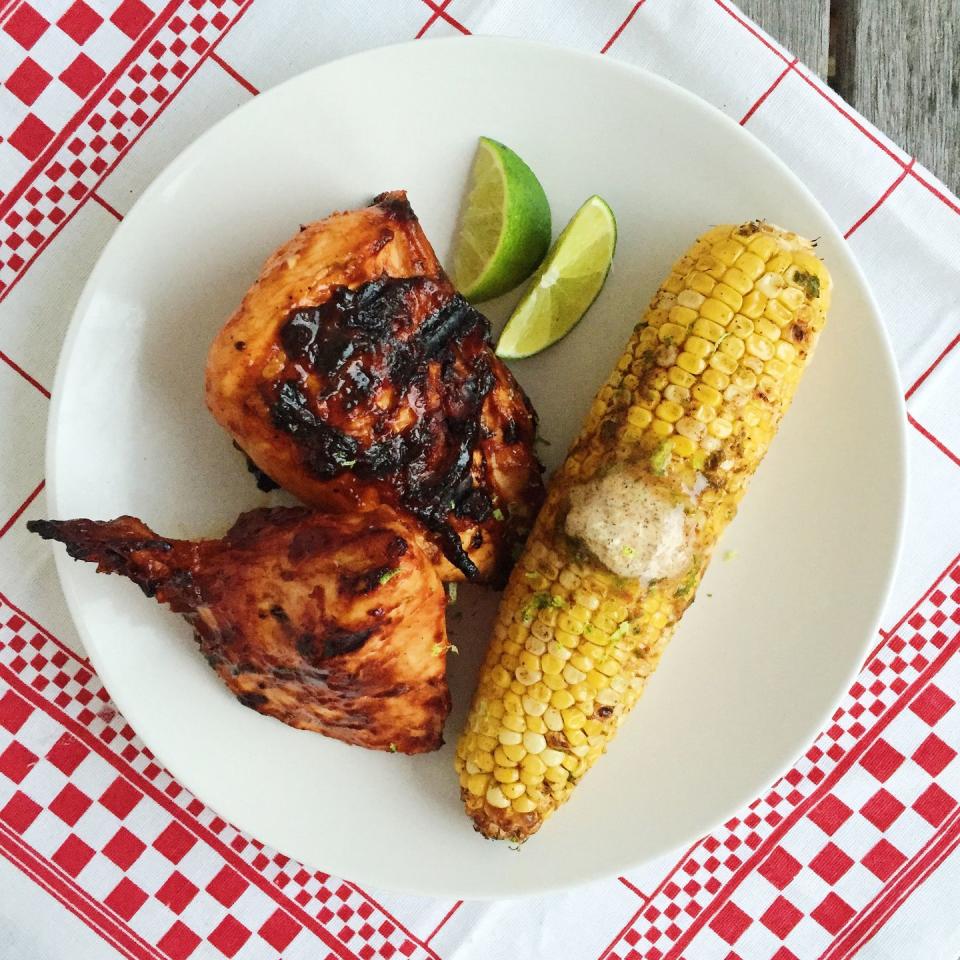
<point>348,463</point>
<point>387,576</point>
<point>451,592</point>
<point>620,632</point>
<point>498,514</point>
<point>438,649</point>
<point>392,748</point>
<point>810,283</point>
<point>453,648</point>
<point>627,550</point>
<point>541,601</point>
<point>729,555</point>
<point>660,458</point>
<point>690,581</point>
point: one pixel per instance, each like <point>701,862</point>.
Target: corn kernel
<point>534,764</point>
<point>573,718</point>
<point>708,329</point>
<point>500,677</point>
<point>690,298</point>
<point>717,311</point>
<point>514,753</point>
<point>751,265</point>
<point>496,798</point>
<point>738,280</point>
<point>766,328</point>
<point>680,378</point>
<point>536,725</point>
<point>726,294</point>
<point>779,263</point>
<point>759,347</point>
<point>561,699</point>
<point>745,380</point>
<point>763,245</point>
<point>553,719</point>
<point>532,707</point>
<point>507,737</point>
<point>698,346</point>
<point>513,790</point>
<point>752,363</point>
<point>639,417</point>
<point>515,722</point>
<point>701,283</point>
<point>785,351</point>
<point>534,743</point>
<point>669,411</point>
<point>729,251</point>
<point>674,394</point>
<point>679,318</point>
<point>724,363</point>
<point>477,784</point>
<point>551,757</point>
<point>754,304</point>
<point>683,446</point>
<point>716,379</point>
<point>778,313</point>
<point>792,298</point>
<point>775,368</point>
<point>706,394</point>
<point>690,363</point>
<point>720,428</point>
<point>523,805</point>
<point>554,681</point>
<point>539,692</point>
<point>687,427</point>
<point>770,284</point>
<point>557,775</point>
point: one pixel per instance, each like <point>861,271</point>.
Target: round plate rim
<point>617,864</point>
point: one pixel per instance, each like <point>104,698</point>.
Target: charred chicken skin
<point>328,623</point>
<point>355,376</point>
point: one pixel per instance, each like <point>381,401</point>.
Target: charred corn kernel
<point>698,393</point>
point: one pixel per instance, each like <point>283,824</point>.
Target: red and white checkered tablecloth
<point>852,852</point>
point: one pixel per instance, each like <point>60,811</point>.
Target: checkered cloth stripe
<point>95,97</point>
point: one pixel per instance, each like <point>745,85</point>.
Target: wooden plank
<point>898,63</point>
<point>802,26</point>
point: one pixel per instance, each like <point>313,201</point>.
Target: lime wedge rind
<point>566,285</point>
<point>504,228</point>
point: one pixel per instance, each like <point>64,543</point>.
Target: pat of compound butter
<point>633,528</point>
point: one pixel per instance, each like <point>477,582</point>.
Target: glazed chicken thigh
<point>354,376</point>
<point>328,623</point>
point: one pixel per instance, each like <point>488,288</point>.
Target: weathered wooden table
<point>896,61</point>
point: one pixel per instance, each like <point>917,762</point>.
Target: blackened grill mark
<point>397,206</point>
<point>336,643</point>
<point>429,463</point>
<point>253,700</point>
<point>359,584</point>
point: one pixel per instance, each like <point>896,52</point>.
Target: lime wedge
<point>566,284</point>
<point>504,224</point>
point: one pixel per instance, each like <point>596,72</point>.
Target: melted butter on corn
<point>686,415</point>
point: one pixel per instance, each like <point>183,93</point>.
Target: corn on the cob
<point>685,418</point>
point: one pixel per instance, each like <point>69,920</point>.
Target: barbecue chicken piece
<point>329,623</point>
<point>354,375</point>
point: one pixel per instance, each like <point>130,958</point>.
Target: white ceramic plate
<point>775,635</point>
